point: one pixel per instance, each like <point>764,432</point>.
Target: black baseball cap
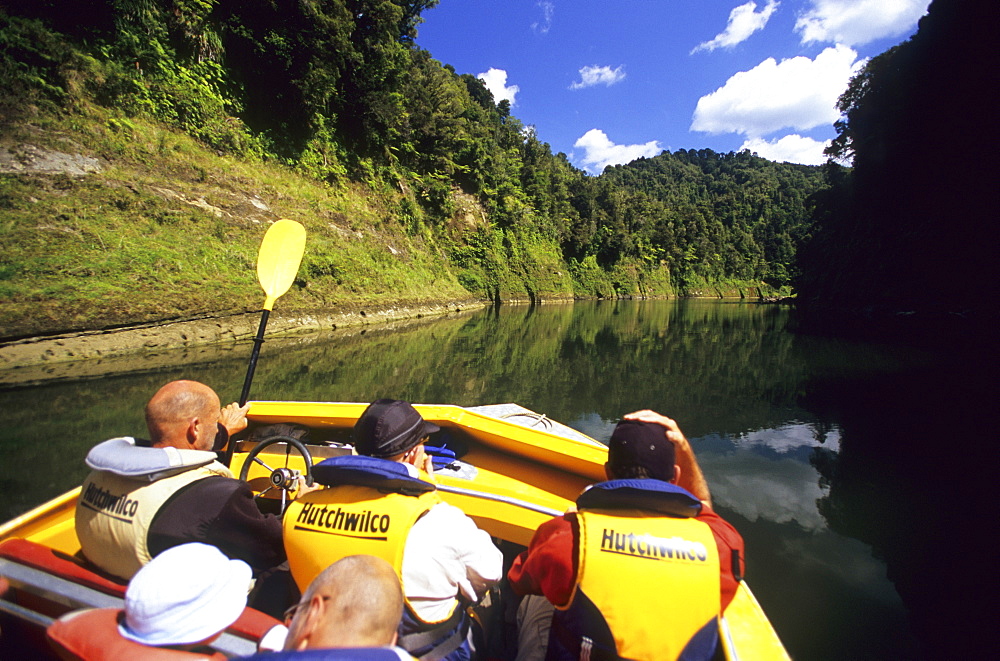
<point>635,443</point>
<point>389,427</point>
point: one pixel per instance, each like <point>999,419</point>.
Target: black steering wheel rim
<point>279,476</point>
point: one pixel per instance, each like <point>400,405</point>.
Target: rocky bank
<point>93,353</point>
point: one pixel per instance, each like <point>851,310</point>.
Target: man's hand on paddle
<point>234,417</point>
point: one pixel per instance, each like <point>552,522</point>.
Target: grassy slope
<point>169,229</point>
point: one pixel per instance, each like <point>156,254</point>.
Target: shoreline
<point>93,353</point>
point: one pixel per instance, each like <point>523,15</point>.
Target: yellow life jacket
<point>325,526</point>
<point>114,512</point>
<point>370,507</point>
<point>647,587</point>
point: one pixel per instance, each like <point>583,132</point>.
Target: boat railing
<point>37,597</point>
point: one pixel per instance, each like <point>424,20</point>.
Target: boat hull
<point>513,471</point>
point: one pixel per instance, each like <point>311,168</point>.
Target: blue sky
<point>608,81</point>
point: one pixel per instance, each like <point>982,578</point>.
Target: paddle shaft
<point>254,354</point>
<point>257,342</point>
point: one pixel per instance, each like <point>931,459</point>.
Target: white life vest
<point>120,498</point>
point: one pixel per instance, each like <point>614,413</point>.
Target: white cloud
<point>831,557</point>
<point>543,26</point>
<point>792,148</point>
<point>856,22</point>
<point>496,82</point>
<point>590,76</point>
<point>790,437</point>
<point>778,490</point>
<point>600,152</point>
<point>797,93</point>
<point>743,22</point>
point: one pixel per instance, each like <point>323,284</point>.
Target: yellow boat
<point>515,470</point>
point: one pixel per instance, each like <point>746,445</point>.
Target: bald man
<point>144,497</point>
<point>186,415</point>
<point>350,611</point>
<point>355,602</point>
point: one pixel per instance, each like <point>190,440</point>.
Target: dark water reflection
<point>784,426</point>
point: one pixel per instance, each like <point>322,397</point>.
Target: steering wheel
<point>281,478</point>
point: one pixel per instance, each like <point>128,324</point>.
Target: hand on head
<point>688,473</point>
<point>673,431</point>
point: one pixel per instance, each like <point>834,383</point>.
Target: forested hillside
<point>411,180</point>
<point>733,214</point>
<point>908,238</point>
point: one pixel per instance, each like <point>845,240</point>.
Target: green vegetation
<point>212,118</point>
<point>906,237</point>
<point>716,218</point>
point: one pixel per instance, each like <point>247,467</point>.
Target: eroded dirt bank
<point>93,353</point>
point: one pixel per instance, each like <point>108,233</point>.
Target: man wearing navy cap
<point>446,562</point>
<point>642,566</point>
<point>392,429</point>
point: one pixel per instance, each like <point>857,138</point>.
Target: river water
<point>811,446</point>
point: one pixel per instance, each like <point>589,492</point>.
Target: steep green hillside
<point>167,229</point>
<point>722,215</point>
<point>907,239</point>
<point>192,124</point>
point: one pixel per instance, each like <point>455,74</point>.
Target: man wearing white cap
<point>178,603</point>
<point>185,597</point>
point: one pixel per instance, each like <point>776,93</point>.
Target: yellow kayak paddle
<point>277,263</point>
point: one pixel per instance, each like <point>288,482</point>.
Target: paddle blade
<point>279,258</point>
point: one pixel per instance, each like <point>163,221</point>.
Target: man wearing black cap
<point>392,429</point>
<point>642,566</point>
<point>444,559</point>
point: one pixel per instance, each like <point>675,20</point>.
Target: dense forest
<point>422,185</point>
<point>906,239</point>
<point>337,93</point>
<point>905,246</point>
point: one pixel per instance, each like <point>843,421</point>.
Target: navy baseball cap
<point>635,443</point>
<point>389,427</point>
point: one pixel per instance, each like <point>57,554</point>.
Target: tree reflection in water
<point>912,480</point>
<point>828,455</point>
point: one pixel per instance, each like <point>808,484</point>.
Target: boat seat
<point>41,557</point>
<point>48,584</point>
<point>92,635</point>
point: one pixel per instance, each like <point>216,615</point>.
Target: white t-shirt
<point>447,553</point>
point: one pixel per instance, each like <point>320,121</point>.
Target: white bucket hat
<point>185,595</point>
